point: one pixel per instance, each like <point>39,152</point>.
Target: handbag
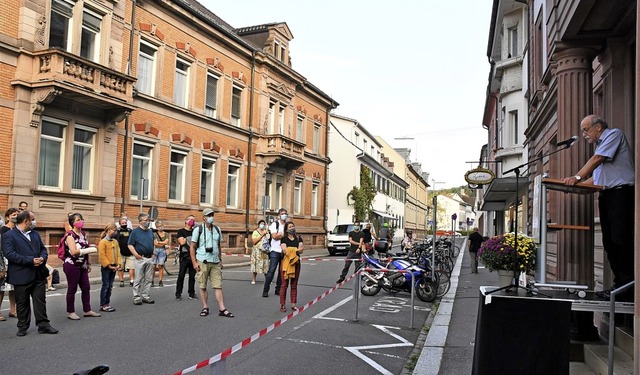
<point>266,244</point>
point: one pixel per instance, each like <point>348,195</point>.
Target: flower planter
<point>504,278</point>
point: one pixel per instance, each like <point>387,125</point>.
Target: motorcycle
<point>393,282</point>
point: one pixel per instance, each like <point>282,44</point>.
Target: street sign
<point>454,216</point>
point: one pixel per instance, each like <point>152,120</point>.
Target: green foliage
<point>361,198</point>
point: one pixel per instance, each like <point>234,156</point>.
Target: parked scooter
<point>394,282</point>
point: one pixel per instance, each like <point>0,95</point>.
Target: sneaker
<point>193,296</point>
<point>265,294</point>
<point>121,284</point>
<point>340,280</point>
<point>179,297</point>
<point>137,302</point>
<point>152,285</point>
<point>160,284</point>
<point>148,300</point>
<point>277,292</point>
<point>51,288</point>
<point>130,283</point>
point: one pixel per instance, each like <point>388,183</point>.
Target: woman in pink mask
<point>76,267</point>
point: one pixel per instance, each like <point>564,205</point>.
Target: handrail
<point>612,321</point>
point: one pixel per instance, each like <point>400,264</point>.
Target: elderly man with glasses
<point>612,167</point>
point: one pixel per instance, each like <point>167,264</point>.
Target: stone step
<point>624,340</point>
<point>580,368</point>
<point>595,356</point>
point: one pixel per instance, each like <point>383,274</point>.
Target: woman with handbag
<point>292,248</point>
<point>261,239</point>
<point>77,268</point>
<point>109,256</point>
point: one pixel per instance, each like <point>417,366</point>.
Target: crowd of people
<point>141,252</point>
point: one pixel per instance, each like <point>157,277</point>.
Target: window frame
<point>235,117</point>
<point>69,26</point>
<point>212,176</point>
<point>92,157</point>
<point>62,151</point>
<point>180,180</point>
<point>187,76</point>
<point>298,185</point>
<point>268,189</point>
<point>300,128</point>
<point>97,36</point>
<point>316,139</point>
<point>209,111</point>
<point>232,199</point>
<point>315,189</point>
<point>154,65</point>
<point>149,168</point>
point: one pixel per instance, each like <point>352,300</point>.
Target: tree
<point>361,198</point>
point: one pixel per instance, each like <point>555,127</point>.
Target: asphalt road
<point>170,336</point>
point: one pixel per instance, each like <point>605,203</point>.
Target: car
<point>338,238</point>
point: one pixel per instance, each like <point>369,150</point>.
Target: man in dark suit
<point>27,257</point>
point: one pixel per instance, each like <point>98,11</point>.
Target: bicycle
<point>172,256</point>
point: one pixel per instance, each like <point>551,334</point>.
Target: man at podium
<point>611,166</point>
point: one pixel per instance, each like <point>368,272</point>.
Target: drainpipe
<point>126,119</point>
<point>249,145</point>
<point>326,169</point>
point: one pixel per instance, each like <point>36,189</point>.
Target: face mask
<point>145,225</point>
<point>210,220</point>
<point>191,222</point>
<point>284,217</point>
<point>79,224</point>
<point>107,237</point>
<point>262,226</point>
<point>356,228</point>
<point>160,228</point>
<point>13,219</point>
<point>291,231</point>
<point>33,224</point>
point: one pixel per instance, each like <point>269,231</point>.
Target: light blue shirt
<point>209,238</point>
<point>617,168</point>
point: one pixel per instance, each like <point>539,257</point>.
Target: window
<point>278,193</point>
<point>299,128</point>
<point>176,175</point>
<point>281,120</point>
<point>513,41</point>
<point>276,49</point>
<point>513,119</point>
<point>60,29</point>
<point>314,199</point>
<point>207,180</point>
<point>140,168</point>
<point>357,140</point>
<point>232,185</point>
<point>212,95</point>
<point>316,139</point>
<point>364,146</point>
<point>268,193</point>
<point>282,53</point>
<point>373,152</point>
<point>51,152</point>
<point>236,101</point>
<point>90,37</point>
<point>83,141</point>
<point>297,196</point>
<point>272,118</point>
<point>181,83</point>
<point>146,68</point>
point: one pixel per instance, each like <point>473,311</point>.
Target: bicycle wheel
<point>455,251</point>
<point>443,281</point>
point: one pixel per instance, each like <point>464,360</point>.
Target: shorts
<point>126,263</point>
<point>211,272</point>
<point>160,256</point>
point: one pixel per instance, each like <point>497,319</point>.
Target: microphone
<point>568,142</point>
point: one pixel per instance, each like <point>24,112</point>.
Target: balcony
<point>282,151</point>
<point>72,78</point>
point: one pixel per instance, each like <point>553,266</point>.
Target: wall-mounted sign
<point>479,176</point>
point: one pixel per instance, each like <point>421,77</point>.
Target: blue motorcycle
<point>393,282</point>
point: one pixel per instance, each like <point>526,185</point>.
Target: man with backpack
<point>205,253</point>
<point>275,256</point>
<point>184,240</point>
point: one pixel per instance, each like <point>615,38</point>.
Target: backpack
<point>62,244</point>
<point>201,232</point>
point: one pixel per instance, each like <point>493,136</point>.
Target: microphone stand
<point>514,280</point>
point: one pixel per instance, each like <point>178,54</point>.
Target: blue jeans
<point>274,262</point>
<point>107,285</point>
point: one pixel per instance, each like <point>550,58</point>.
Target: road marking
<point>359,351</point>
<point>322,314</point>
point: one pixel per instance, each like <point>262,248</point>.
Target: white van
<point>338,238</point>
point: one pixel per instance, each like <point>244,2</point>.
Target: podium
<point>557,185</point>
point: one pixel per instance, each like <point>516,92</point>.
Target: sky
<point>404,69</point>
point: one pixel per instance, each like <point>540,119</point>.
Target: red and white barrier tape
<point>227,352</point>
<point>305,259</point>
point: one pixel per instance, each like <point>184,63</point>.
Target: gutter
<point>250,144</point>
<point>126,119</point>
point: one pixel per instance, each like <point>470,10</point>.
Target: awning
<point>502,193</point>
<point>384,215</point>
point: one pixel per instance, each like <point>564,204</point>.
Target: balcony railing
<point>60,66</point>
<point>277,144</point>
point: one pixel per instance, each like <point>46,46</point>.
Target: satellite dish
<point>153,213</point>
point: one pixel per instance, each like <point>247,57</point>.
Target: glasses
<point>584,130</point>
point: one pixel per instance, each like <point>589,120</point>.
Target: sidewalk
<point>229,261</point>
<point>449,346</point>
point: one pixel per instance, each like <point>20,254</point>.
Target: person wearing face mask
<point>184,240</point>
<point>356,240</point>
<point>141,246</point>
<point>260,252</point>
<point>10,219</point>
<point>77,268</point>
<point>160,243</point>
<point>292,247</point>
<point>27,257</point>
<point>206,258</point>
<point>275,256</point>
<point>109,256</point>
<point>127,261</point>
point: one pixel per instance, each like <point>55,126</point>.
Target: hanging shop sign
<point>479,176</point>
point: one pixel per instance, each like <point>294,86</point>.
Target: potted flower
<point>499,253</point>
